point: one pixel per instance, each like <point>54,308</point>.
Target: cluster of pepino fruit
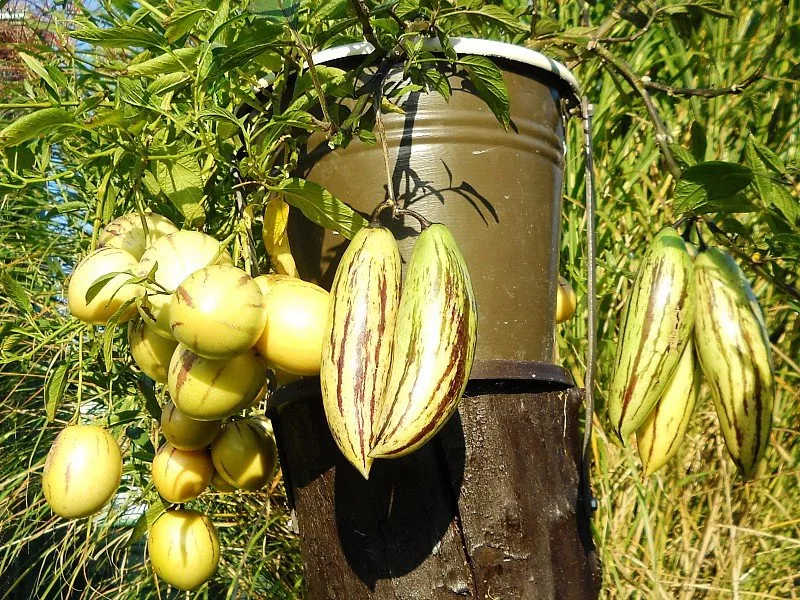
<point>691,315</point>
<point>395,365</point>
<point>213,335</point>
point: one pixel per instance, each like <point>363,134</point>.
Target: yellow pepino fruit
<point>185,433</point>
<point>150,351</point>
<point>184,548</point>
<point>128,232</point>
<point>566,301</point>
<point>112,295</point>
<point>181,475</point>
<point>218,312</point>
<point>245,454</point>
<point>208,390</point>
<point>175,257</point>
<point>296,315</point>
<point>222,486</point>
<point>82,471</point>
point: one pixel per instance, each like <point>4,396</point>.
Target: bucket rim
<point>466,45</point>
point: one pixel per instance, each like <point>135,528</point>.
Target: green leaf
<point>434,79</point>
<point>168,83</point>
<point>772,190</point>
<point>182,182</point>
<point>713,186</point>
<point>488,81</point>
<point>320,206</point>
<point>182,20</point>
<point>17,293</point>
<point>146,521</point>
<point>54,389</point>
<point>99,284</point>
<point>183,59</point>
<point>120,37</point>
<point>699,142</point>
<point>276,10</point>
<point>682,156</point>
<point>34,124</point>
<point>768,157</point>
<point>110,332</point>
<point>38,68</point>
<point>490,14</point>
<point>145,385</point>
<point>788,241</point>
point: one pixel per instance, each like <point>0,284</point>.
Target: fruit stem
<point>700,241</point>
<point>396,212</point>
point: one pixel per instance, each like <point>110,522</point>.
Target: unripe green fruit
<point>185,433</point>
<point>218,312</point>
<point>127,232</point>
<point>82,471</point>
<point>184,548</point>
<point>150,351</point>
<point>177,255</point>
<point>296,315</point>
<point>181,475</point>
<point>566,302</point>
<point>114,292</point>
<point>245,455</point>
<point>207,390</point>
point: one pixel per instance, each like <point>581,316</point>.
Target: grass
<point>691,531</point>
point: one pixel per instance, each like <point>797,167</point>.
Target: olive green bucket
<point>499,192</point>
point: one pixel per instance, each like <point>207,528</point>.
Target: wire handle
<point>587,110</point>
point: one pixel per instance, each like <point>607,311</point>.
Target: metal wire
<point>586,116</point>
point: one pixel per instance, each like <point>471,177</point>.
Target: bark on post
<point>488,509</point>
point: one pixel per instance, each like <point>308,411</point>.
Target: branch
<point>362,12</point>
<point>721,236</point>
<point>736,88</point>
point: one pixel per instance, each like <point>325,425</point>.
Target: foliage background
<point>125,132</point>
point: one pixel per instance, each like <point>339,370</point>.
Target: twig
<point>362,12</point>
<point>663,137</point>
<point>722,237</point>
<point>736,88</point>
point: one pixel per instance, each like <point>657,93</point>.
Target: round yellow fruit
<point>82,471</point>
<point>565,301</point>
<point>265,282</point>
<point>219,484</point>
<point>282,377</point>
<point>185,433</point>
<point>208,390</point>
<point>181,475</point>
<point>127,232</point>
<point>296,314</point>
<point>184,548</point>
<point>217,312</point>
<point>177,255</point>
<point>150,351</point>
<point>245,455</point>
<point>114,293</point>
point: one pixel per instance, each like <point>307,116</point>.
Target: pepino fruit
<point>184,548</point>
<point>656,326</point>
<point>245,454</point>
<point>735,356</point>
<point>218,312</point>
<point>128,232</point>
<point>175,257</point>
<point>296,315</point>
<point>82,471</point>
<point>566,302</point>
<point>111,295</point>
<point>181,475</point>
<point>208,390</point>
<point>185,433</point>
<point>150,351</point>
<point>433,346</point>
<point>356,355</point>
<point>661,434</point>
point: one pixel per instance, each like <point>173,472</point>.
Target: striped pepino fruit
<point>433,346</point>
<point>356,350</point>
<point>656,326</point>
<point>662,432</point>
<point>734,352</point>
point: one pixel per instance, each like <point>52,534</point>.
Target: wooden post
<point>490,508</point>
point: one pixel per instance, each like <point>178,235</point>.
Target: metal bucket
<point>499,192</point>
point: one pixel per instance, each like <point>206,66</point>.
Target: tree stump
<point>489,509</point>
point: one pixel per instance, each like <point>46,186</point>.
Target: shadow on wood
<point>490,508</point>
